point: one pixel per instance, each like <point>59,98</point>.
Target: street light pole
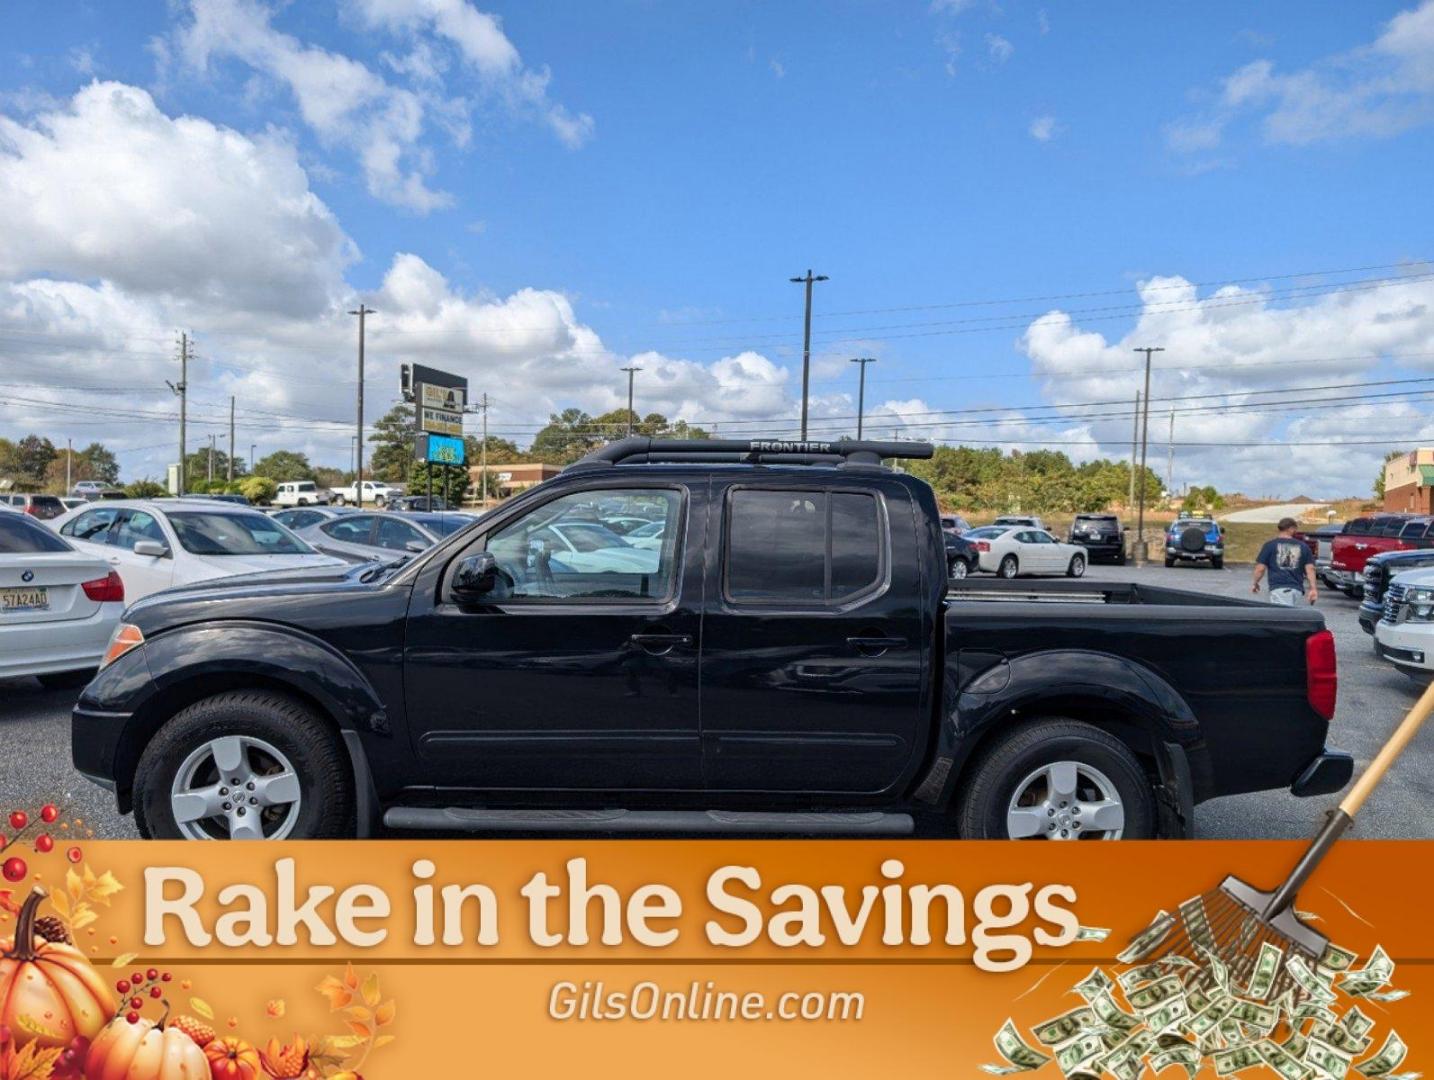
<point>362,313</point>
<point>861,391</point>
<point>807,343</point>
<point>631,371</point>
<point>1148,350</point>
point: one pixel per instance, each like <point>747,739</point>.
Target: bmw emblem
<point>28,575</point>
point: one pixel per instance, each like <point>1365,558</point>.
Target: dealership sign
<point>439,398</point>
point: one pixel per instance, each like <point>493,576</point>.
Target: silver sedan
<point>382,536</point>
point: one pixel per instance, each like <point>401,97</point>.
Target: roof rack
<point>640,450</point>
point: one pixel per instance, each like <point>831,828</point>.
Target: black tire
<point>1077,566</point>
<point>1120,558</point>
<point>958,569</point>
<point>339,500</point>
<point>989,783</point>
<point>1009,568</point>
<point>378,501</point>
<point>326,807</point>
<point>1218,564</point>
<point>1169,562</point>
<point>66,680</point>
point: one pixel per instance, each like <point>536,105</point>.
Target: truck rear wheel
<point>1056,779</point>
<point>338,500</point>
<point>246,764</point>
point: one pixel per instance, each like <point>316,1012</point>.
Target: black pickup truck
<point>777,650</point>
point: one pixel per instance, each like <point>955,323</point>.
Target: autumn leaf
<point>341,1042</point>
<point>61,903</point>
<point>363,1031</point>
<point>103,888</point>
<point>202,1007</point>
<point>33,1063</point>
<point>337,993</point>
<point>123,960</point>
<point>276,1008</point>
<point>74,885</point>
<point>371,994</point>
<point>7,902</point>
<point>350,977</point>
<point>359,1013</point>
<point>84,915</point>
<point>384,1014</point>
<point>383,1040</point>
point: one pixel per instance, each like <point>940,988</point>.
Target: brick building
<point>1409,482</point>
<point>514,477</point>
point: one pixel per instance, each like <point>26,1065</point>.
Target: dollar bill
<point>1094,985</point>
<point>1336,959</point>
<point>1144,973</point>
<point>1020,1056</point>
<point>1340,1037</point>
<point>1387,995</point>
<point>1208,1019</point>
<point>1259,1016</point>
<point>1282,1061</point>
<point>1168,1015</point>
<point>1219,973</point>
<point>1092,933</point>
<point>1391,1055</point>
<point>1313,986</point>
<point>1296,1044</point>
<point>1267,966</point>
<point>1313,1010</point>
<point>1146,998</point>
<point>1329,1060</point>
<point>1237,1058</point>
<point>1374,975</point>
<point>1149,939</point>
<point>1185,1056</point>
<point>1064,1028</point>
<point>1355,1022</point>
<point>1079,1052</point>
<point>1197,998</point>
<point>1112,1015</point>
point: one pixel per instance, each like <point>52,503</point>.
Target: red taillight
<point>981,545</point>
<point>32,510</point>
<point>105,590</point>
<point>1321,676</point>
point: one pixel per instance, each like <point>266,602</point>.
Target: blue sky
<point>648,175</point>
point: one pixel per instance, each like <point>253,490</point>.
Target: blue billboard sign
<point>445,450</point>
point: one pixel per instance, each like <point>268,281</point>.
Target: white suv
<point>1404,634</point>
<point>300,493</point>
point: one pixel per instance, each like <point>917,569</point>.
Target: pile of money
<point>1197,1011</point>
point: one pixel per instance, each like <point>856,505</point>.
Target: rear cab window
<point>20,536</point>
<point>807,547</point>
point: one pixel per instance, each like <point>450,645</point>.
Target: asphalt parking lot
<point>35,748</point>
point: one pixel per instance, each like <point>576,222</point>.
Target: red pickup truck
<point>1373,535</point>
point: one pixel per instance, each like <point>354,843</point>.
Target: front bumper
<point>94,748</point>
<point>1369,615</point>
<point>1405,645</point>
<point>1325,774</point>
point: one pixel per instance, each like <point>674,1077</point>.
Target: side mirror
<point>151,547</point>
<point>475,577</point>
<point>415,546</point>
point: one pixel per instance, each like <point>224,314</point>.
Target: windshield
<point>216,533</point>
<point>988,532</point>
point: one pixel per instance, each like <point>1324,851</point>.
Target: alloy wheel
<point>1065,800</point>
<point>236,787</point>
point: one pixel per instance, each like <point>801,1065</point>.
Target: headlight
<point>124,638</point>
<point>1421,604</point>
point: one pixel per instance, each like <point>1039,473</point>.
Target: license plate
<point>24,600</point>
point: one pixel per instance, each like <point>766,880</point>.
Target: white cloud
<point>777,68</point>
<point>999,49</point>
<point>1043,21</point>
<point>108,187</point>
<point>1044,128</point>
<point>1373,91</point>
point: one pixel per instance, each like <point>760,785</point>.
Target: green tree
<point>500,451</point>
<point>458,481</point>
<point>196,467</point>
<point>145,489</point>
<point>28,459</point>
<point>392,457</point>
<point>101,461</point>
<point>568,436</point>
<point>284,465</point>
<point>259,490</point>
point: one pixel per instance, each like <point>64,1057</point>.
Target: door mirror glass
<point>150,547</point>
<point>475,577</point>
<point>416,546</point>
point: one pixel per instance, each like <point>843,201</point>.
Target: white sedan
<point>1009,551</point>
<point>58,606</point>
<point>155,544</point>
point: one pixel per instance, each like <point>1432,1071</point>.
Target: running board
<point>710,822</point>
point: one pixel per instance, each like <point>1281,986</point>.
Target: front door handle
<point>660,644</point>
<point>875,646</point>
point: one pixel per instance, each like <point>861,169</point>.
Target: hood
<point>251,595</point>
<point>1415,578</point>
<point>268,565</point>
<point>1394,558</point>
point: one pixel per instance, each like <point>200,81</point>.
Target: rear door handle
<point>875,646</point>
<point>658,644</point>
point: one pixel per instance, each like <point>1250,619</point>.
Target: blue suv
<point>1195,539</point>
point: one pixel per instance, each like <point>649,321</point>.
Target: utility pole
<point>69,459</point>
<point>181,391</point>
<point>251,458</point>
<point>210,477</point>
<point>807,343</point>
<point>231,439</point>
<point>1148,350</point>
<point>483,449</point>
<point>631,371</point>
<point>362,313</point>
<point>1170,457</point>
<point>861,391</point>
<point>1134,441</point>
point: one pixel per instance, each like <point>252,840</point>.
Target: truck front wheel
<point>244,765</point>
<point>1056,779</point>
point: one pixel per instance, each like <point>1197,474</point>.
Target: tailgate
<point>44,587</point>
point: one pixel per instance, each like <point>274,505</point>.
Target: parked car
<point>1361,538</point>
<point>622,524</point>
<point>1026,521</point>
<point>1378,572</point>
<point>224,497</point>
<point>796,662</point>
<point>418,504</point>
<point>300,493</point>
<point>43,507</point>
<point>1011,552</point>
<point>300,518</point>
<point>955,523</point>
<point>375,493</point>
<point>1404,634</point>
<point>70,502</point>
<point>58,606</point>
<point>368,536</point>
<point>962,558</point>
<point>159,543</point>
<point>1321,541</point>
<point>648,536</point>
<point>1195,539</point>
<point>1100,535</point>
<point>94,489</point>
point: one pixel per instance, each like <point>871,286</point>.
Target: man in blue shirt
<point>1290,566</point>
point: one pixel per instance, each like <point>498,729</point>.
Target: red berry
<point>19,819</point>
<point>132,1017</point>
<point>122,986</point>
<point>4,841</point>
<point>44,843</point>
<point>136,1003</point>
<point>49,812</point>
<point>165,977</point>
<point>137,978</point>
<point>15,869</point>
<point>155,991</point>
<point>152,974</point>
<point>74,854</point>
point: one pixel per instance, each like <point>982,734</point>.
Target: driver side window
<point>567,550</point>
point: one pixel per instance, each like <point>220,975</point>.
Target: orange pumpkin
<point>49,993</point>
<point>231,1058</point>
<point>144,1051</point>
